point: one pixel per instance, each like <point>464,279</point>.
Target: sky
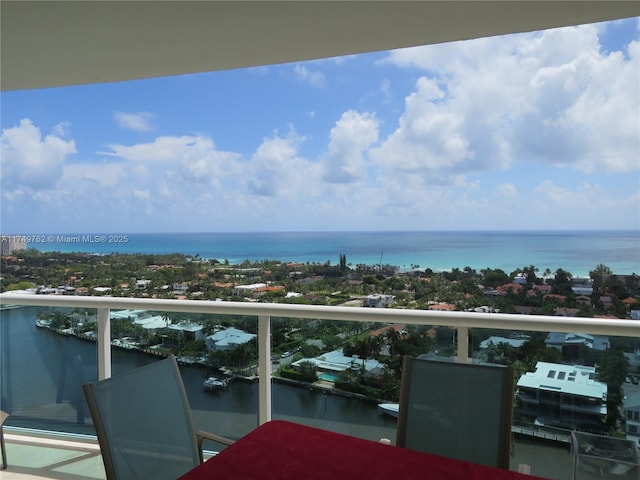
<point>534,131</point>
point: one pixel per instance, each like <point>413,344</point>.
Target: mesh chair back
<point>143,422</point>
<point>457,410</point>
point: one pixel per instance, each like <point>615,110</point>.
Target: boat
<point>389,408</point>
<point>213,383</point>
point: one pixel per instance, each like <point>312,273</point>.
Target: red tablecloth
<point>281,450</point>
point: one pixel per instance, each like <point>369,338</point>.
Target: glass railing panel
<point>42,370</point>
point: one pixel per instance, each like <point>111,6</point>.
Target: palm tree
<point>393,337</point>
<point>600,275</point>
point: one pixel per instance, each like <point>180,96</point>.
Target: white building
<point>142,284</point>
<point>180,288</point>
<point>141,317</point>
<point>242,290</point>
<point>513,342</point>
<point>336,362</point>
<point>188,330</point>
<point>566,396</point>
<point>228,339</point>
<point>377,301</point>
<point>12,243</point>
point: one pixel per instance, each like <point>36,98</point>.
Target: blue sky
<point>530,131</point>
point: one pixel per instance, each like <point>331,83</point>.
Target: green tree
<point>600,275</point>
<point>562,282</point>
<point>613,368</point>
<point>493,278</point>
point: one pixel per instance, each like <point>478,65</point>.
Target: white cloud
<point>193,158</point>
<point>493,133</point>
<point>31,161</point>
<point>315,78</point>
<point>138,122</point>
<point>430,143</point>
<point>101,175</point>
<point>550,97</point>
<point>61,129</point>
<point>352,135</point>
<point>276,169</point>
<point>386,90</point>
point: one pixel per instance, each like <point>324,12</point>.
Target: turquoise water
<point>327,377</point>
<point>577,252</point>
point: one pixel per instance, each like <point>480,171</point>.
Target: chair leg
<point>3,417</point>
<point>4,451</point>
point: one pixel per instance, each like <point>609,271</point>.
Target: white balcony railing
<point>462,321</point>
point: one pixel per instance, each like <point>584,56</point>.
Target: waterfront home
<point>188,330</point>
<point>336,362</point>
<point>151,323</point>
<point>228,339</point>
<point>591,342</point>
<point>564,396</point>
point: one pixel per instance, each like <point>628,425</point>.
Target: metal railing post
<point>264,368</point>
<point>104,343</point>
<point>463,345</point>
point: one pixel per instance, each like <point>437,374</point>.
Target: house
<point>180,288</point>
<point>542,289</point>
<point>377,301</point>
<point>564,396</point>
<point>592,342</point>
<point>228,339</point>
<point>582,285</point>
<point>268,289</point>
<point>512,342</point>
<point>507,288</point>
<point>151,323</point>
<point>244,290</point>
<point>520,279</point>
<point>142,284</point>
<point>555,296</point>
<point>443,307</point>
<point>631,415</point>
<point>335,362</point>
<point>188,330</point>
<point>583,300</point>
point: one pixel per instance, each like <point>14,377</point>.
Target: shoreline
<point>570,250</point>
<point>320,385</point>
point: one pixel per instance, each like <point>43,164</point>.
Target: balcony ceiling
<point>55,43</point>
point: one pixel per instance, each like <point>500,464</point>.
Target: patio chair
<point>457,410</point>
<point>143,422</point>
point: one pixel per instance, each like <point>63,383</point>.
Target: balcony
<point>62,432</point>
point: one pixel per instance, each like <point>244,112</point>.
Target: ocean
<point>577,252</point>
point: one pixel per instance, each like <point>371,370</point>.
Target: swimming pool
<point>328,377</point>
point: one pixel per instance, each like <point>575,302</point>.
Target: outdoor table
<point>282,450</point>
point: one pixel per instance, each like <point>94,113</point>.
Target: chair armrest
<point>201,436</point>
